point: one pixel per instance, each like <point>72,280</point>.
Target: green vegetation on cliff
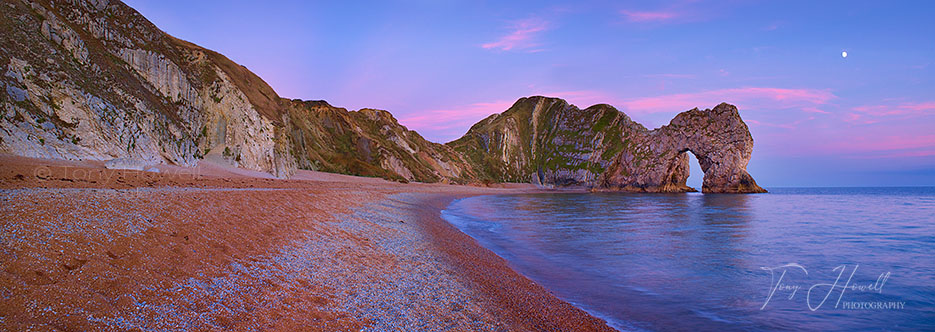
<point>545,140</point>
<point>95,80</point>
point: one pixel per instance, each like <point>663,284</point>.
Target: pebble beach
<point>89,248</point>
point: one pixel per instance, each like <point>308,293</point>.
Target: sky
<point>818,118</point>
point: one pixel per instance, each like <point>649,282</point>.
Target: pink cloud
<point>858,119</point>
<point>649,16</point>
<point>905,109</point>
<point>923,144</point>
<point>926,153</point>
<point>523,36</point>
<point>815,110</point>
<point>873,143</point>
<point>454,117</point>
<point>457,119</point>
<point>451,120</point>
<point>771,98</point>
<point>751,97</point>
<point>581,98</point>
<point>791,126</point>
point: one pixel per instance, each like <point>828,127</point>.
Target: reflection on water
<point>693,261</point>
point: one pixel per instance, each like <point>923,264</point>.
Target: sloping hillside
<point>94,80</point>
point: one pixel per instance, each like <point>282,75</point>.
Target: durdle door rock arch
<point>548,142</point>
<point>657,160</point>
<point>123,91</point>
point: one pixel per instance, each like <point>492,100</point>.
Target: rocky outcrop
<point>367,142</point>
<point>94,80</point>
<point>657,160</point>
<point>547,141</point>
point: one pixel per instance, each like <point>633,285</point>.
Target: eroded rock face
<point>547,141</point>
<point>367,142</point>
<point>94,80</point>
<point>657,160</point>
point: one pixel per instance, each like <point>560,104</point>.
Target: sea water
<point>792,259</point>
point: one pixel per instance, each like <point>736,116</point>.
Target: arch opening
<point>695,174</point>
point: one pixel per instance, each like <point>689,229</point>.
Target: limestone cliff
<point>547,141</point>
<point>94,80</point>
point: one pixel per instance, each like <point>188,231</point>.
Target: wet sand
<point>213,248</point>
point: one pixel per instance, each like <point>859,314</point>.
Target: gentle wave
<point>693,261</point>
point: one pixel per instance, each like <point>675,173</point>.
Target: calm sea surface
<point>793,259</point>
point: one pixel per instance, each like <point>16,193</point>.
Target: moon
<point>844,54</point>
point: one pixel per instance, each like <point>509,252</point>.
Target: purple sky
<point>818,118</point>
